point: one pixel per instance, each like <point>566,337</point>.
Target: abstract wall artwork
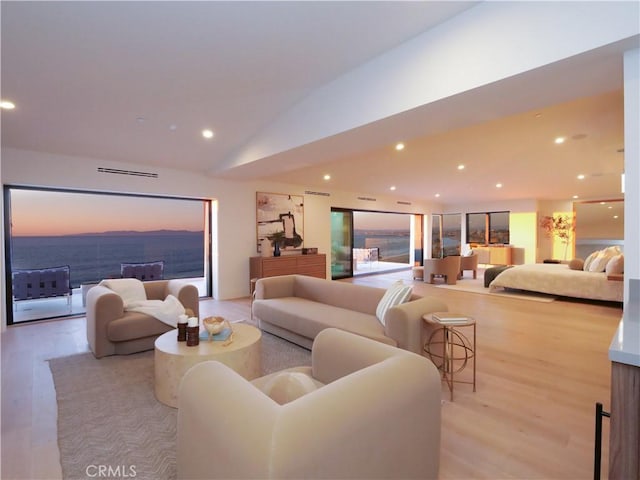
<point>280,219</point>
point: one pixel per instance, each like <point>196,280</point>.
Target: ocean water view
<point>393,245</point>
<point>93,257</point>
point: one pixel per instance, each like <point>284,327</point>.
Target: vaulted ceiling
<point>137,82</point>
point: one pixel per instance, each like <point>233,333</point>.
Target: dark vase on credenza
<point>276,250</point>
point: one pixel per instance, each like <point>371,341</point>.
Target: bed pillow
<point>599,263</point>
<point>396,294</point>
<point>589,259</point>
<point>615,265</point>
<point>576,264</point>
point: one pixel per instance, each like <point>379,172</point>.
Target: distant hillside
<point>136,232</point>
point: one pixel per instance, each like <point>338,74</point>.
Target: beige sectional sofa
<point>374,413</point>
<point>297,308</point>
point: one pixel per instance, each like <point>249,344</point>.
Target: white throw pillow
<point>288,386</point>
<point>130,289</point>
<point>615,265</point>
<point>599,263</point>
<point>396,294</point>
<point>587,262</point>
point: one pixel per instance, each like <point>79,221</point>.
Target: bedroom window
<point>488,228</point>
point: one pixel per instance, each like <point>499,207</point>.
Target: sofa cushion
<point>308,318</point>
<point>360,298</point>
<point>396,294</point>
<point>133,325</point>
<point>285,387</point>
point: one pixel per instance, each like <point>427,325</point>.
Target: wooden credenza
<point>494,255</point>
<point>311,265</point>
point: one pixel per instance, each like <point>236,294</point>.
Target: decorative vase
<point>276,250</point>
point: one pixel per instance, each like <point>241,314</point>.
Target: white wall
<point>632,168</point>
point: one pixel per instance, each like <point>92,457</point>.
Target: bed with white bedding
<point>559,279</point>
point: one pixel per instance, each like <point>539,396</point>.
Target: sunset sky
<point>40,213</point>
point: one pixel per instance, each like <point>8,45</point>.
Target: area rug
<point>109,420</point>
<point>477,286</point>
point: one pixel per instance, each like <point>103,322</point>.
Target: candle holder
<point>182,332</point>
<point>193,336</point>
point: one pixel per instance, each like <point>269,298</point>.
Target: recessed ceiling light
<point>173,127</point>
<point>610,207</point>
<point>615,216</point>
<point>327,177</point>
<point>460,167</point>
<point>7,105</point>
<point>437,195</point>
<point>559,140</point>
<point>498,185</point>
<point>392,187</point>
<point>581,177</point>
<point>603,203</point>
<point>207,133</point>
<point>399,146</point>
<point>576,196</point>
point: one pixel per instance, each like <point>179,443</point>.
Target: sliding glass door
<point>341,243</point>
<point>58,244</point>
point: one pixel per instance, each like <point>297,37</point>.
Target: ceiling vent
<point>367,199</point>
<point>117,171</point>
<point>322,194</point>
<point>399,202</point>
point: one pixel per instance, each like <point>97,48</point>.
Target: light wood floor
<point>541,368</point>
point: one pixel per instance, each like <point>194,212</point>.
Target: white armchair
<point>376,414</point>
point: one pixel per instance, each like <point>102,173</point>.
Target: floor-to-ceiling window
<point>364,242</point>
<point>92,234</point>
<point>446,235</point>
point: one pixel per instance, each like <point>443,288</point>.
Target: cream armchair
<point>469,262</point>
<point>375,413</point>
<point>447,267</point>
<point>113,331</point>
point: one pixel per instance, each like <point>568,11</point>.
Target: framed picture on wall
<point>280,219</point>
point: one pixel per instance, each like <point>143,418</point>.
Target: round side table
<point>454,350</point>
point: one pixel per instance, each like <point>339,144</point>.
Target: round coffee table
<point>172,359</point>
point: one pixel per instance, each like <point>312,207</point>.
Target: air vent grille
<point>322,194</point>
<point>399,202</point>
<point>367,199</point>
<point>117,171</point>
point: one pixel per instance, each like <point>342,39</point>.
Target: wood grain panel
<point>624,439</point>
<point>311,265</point>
